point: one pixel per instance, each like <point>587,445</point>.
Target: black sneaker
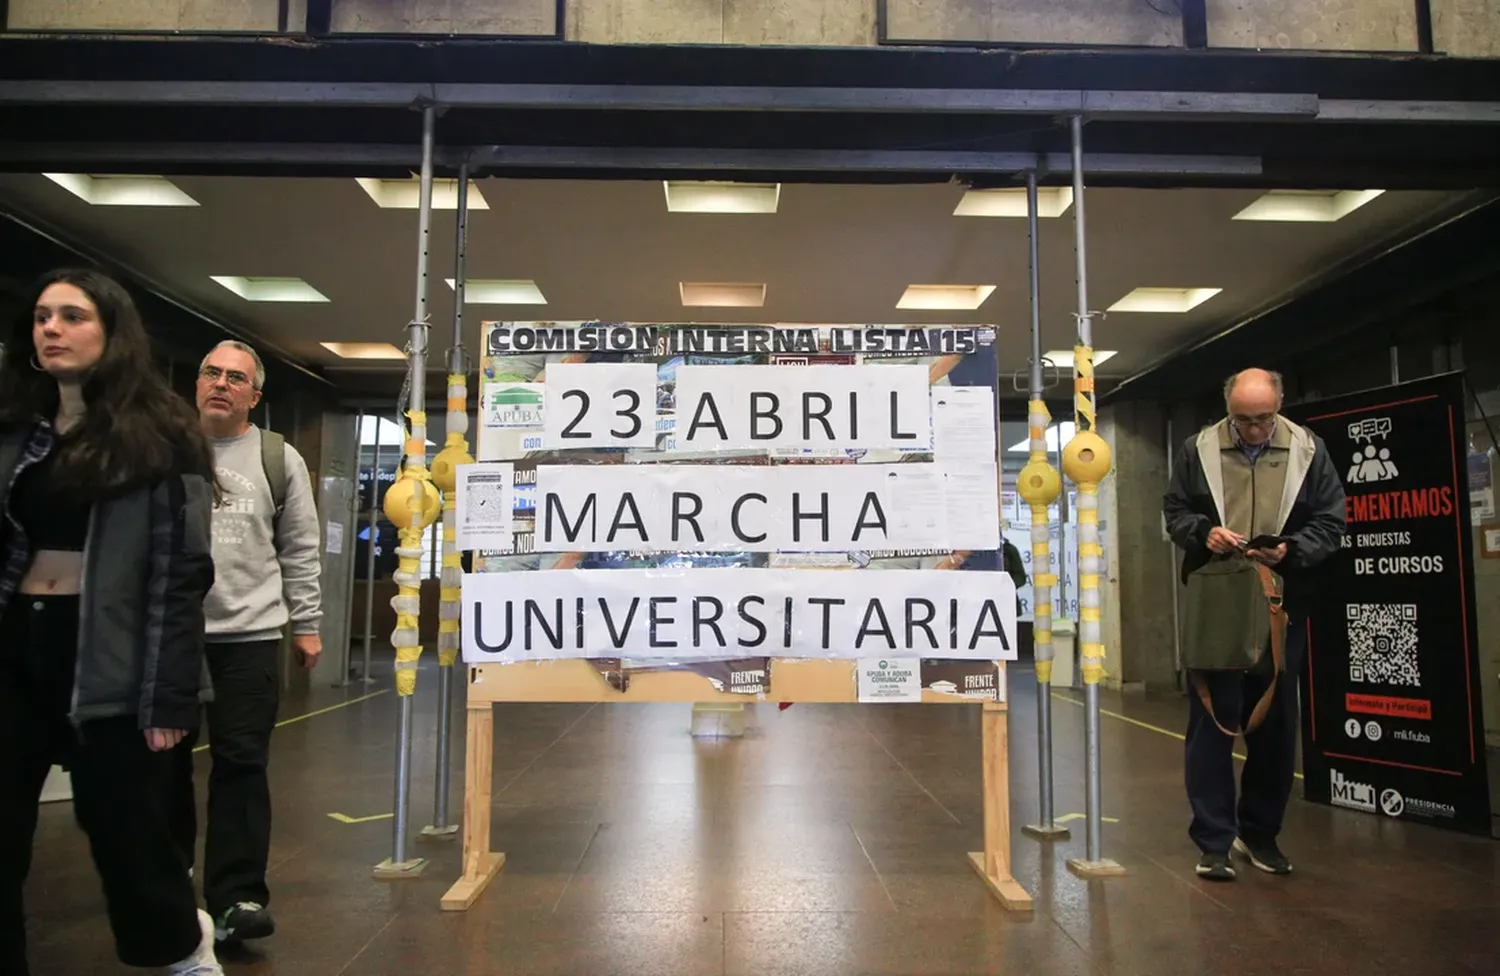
<point>1215,867</point>
<point>247,920</point>
<point>1264,855</point>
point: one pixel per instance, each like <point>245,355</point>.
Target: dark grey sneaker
<point>247,920</point>
<point>1215,867</point>
<point>1265,855</point>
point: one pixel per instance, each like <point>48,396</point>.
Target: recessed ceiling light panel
<point>270,289</point>
<point>123,191</point>
<point>1063,358</point>
<point>407,194</point>
<point>1307,206</point>
<point>687,196</point>
<point>1051,201</point>
<point>1169,301</point>
<point>363,350</point>
<point>698,294</point>
<point>945,297</point>
<point>500,291</point>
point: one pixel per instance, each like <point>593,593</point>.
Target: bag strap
<point>273,460</point>
<point>1278,659</point>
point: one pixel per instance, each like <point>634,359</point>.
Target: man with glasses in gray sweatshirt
<point>266,538</point>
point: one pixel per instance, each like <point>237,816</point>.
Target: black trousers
<point>1270,753</point>
<point>122,795</point>
<point>247,693</point>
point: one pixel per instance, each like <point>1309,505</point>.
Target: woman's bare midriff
<point>53,573</point>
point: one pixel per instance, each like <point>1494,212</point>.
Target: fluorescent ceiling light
<point>1169,300</point>
<point>123,191</point>
<point>363,350</point>
<point>1307,206</point>
<point>1057,435</point>
<point>500,291</point>
<point>407,194</point>
<point>270,289</point>
<point>1051,201</point>
<point>707,295</point>
<point>963,297</point>
<point>1063,358</point>
<point>686,196</point>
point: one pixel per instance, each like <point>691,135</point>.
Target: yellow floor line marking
<point>1078,816</point>
<point>345,818</point>
<point>320,711</point>
<point>1139,724</point>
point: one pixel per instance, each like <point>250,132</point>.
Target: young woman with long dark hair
<point>106,497</point>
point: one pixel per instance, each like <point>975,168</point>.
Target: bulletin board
<point>675,512</point>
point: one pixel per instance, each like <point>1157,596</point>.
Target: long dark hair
<point>135,429</point>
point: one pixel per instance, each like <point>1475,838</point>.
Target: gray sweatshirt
<point>263,575</point>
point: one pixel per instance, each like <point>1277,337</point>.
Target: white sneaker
<point>202,962</point>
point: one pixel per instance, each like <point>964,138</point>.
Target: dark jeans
<point>122,794</point>
<point>247,692</point>
<point>1270,753</point>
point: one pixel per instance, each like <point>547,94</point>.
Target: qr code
<point>1383,643</point>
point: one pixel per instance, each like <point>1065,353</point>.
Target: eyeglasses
<point>1263,421</point>
<point>233,377</point>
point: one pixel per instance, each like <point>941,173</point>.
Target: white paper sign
<point>890,679</point>
<point>923,525</point>
<point>711,614</point>
<point>592,405</point>
<point>971,500</point>
<point>484,505</point>
<point>763,407</point>
<point>335,543</point>
<point>963,424</point>
<point>757,508</point>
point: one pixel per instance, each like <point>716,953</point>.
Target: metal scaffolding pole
<point>455,454</point>
<point>370,552</point>
<point>1086,460</point>
<point>1039,484</point>
<point>359,426</point>
<point>411,504</point>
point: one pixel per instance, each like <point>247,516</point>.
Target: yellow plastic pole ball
<point>398,503</point>
<point>1039,483</point>
<point>1086,458</point>
<point>445,466</point>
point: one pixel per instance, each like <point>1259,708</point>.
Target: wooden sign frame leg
<point>993,863</point>
<point>480,863</point>
<point>803,680</point>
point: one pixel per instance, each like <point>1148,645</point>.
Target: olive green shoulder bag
<point>1234,619</point>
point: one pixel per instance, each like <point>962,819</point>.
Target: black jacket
<point>1312,513</point>
<point>147,566</point>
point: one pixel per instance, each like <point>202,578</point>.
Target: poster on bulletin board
<point>668,454</point>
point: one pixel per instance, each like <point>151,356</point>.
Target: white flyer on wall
<point>963,424</point>
<point>484,505</point>
<point>711,614</point>
<point>923,525</point>
<point>894,679</point>
<point>972,501</point>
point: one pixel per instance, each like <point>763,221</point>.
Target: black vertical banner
<point>1392,721</point>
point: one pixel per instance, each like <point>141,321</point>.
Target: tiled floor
<point>830,840</point>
